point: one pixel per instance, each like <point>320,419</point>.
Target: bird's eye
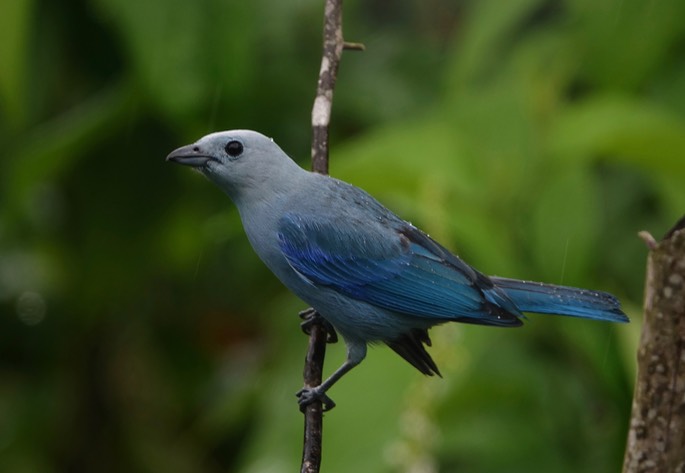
<point>234,148</point>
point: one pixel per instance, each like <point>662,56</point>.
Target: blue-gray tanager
<point>372,275</point>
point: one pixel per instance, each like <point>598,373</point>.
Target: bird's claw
<point>310,317</point>
<point>306,396</point>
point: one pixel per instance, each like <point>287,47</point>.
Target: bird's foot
<point>306,396</point>
<point>310,317</point>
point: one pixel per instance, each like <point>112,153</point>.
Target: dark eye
<point>234,148</point>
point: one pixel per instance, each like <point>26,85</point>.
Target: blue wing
<point>400,269</point>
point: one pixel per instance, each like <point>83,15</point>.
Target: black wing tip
<point>492,315</point>
<point>410,346</point>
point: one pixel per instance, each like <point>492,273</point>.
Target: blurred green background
<point>138,331</point>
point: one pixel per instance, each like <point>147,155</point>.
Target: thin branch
<point>313,413</point>
<point>323,103</point>
<point>321,118</point>
<point>657,426</point>
<point>348,46</point>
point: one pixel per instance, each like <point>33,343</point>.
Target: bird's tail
<point>543,298</point>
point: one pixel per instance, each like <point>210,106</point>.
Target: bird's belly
<point>360,320</point>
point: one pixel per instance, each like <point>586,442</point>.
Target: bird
<point>372,276</point>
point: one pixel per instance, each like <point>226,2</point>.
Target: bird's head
<point>239,162</point>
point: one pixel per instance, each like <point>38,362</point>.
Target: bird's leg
<point>311,316</point>
<point>356,352</point>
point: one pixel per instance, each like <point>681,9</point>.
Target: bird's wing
<point>402,270</point>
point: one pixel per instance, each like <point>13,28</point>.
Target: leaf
<point>15,22</point>
<point>622,130</point>
<point>625,42</point>
<point>49,150</point>
<point>487,35</point>
<point>186,53</point>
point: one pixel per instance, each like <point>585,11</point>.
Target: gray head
<point>240,162</point>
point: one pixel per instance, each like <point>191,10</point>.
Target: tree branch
<point>333,46</point>
<point>313,413</point>
<point>323,103</point>
<point>657,426</point>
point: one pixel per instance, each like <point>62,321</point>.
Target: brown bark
<point>333,46</point>
<point>656,439</point>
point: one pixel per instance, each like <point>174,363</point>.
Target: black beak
<point>190,155</point>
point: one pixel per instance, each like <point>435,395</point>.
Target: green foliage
<point>138,332</point>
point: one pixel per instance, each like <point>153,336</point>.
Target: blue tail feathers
<point>543,298</point>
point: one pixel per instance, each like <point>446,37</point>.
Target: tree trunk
<point>656,439</point>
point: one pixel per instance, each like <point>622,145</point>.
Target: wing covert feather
<point>401,270</point>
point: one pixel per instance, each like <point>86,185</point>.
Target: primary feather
<point>406,272</point>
